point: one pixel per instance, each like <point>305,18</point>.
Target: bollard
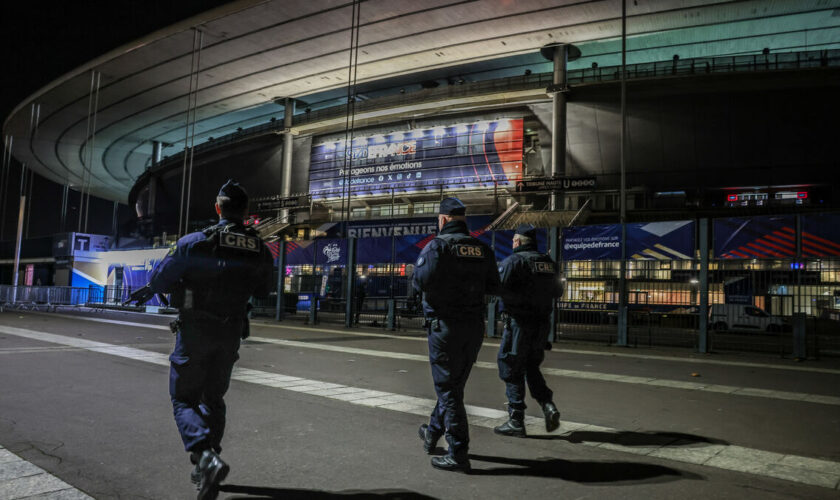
<point>390,320</point>
<point>313,310</point>
<point>799,349</point>
<point>491,318</point>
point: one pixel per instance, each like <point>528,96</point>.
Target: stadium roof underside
<point>254,53</point>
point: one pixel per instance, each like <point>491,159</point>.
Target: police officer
<point>211,275</point>
<point>454,272</point>
<point>529,282</point>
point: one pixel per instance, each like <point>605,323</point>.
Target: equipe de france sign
<point>468,155</point>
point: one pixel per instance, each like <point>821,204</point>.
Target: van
<point>743,317</point>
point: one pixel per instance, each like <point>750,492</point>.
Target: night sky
<point>42,40</point>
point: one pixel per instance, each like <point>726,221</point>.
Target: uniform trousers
<point>199,377</point>
<point>453,349</point>
<point>520,354</point>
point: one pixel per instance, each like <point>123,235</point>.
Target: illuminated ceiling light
<point>462,129</point>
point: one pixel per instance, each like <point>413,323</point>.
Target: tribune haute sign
<point>556,184</point>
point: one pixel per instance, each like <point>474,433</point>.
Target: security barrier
<point>760,296</point>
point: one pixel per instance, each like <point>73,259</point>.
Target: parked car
<point>743,317</point>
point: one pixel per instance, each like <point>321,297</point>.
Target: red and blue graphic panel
<point>763,237</point>
<point>468,155</point>
<point>821,235</point>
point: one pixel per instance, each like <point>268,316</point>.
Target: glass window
<point>359,213</point>
<point>381,211</point>
<point>426,207</point>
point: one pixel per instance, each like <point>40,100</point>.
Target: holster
<point>506,319</point>
<point>434,323</point>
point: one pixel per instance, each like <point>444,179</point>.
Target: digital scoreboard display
<point>469,155</point>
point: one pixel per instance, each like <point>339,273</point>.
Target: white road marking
<point>795,468</point>
<point>563,350</point>
<point>557,372</point>
<point>583,375</point>
<point>22,479</point>
<point>584,352</point>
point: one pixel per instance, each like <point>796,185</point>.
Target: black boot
<point>429,439</point>
<point>195,474</point>
<point>552,416</point>
<point>213,471</point>
<point>513,427</point>
<point>447,462</point>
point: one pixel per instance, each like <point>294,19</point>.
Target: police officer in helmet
<point>454,272</point>
<point>211,275</point>
<point>530,283</point>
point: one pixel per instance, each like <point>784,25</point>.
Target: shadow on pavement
<point>263,493</point>
<point>582,472</point>
<point>631,438</point>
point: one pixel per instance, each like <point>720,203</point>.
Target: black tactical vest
<point>534,283</point>
<point>226,267</point>
<point>462,271</point>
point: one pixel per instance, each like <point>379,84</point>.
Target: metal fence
<point>663,301</point>
<point>51,297</point>
<point>754,305</point>
<point>42,297</point>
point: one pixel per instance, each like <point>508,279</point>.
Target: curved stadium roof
<point>257,52</point>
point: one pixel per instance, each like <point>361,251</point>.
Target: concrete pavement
<point>87,402</point>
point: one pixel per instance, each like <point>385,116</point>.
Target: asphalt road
<point>99,418</point>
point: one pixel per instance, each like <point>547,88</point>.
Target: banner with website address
<point>468,155</point>
<point>669,240</point>
<point>601,242</point>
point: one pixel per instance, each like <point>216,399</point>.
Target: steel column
<point>350,290</point>
<point>621,339</point>
<point>286,176</point>
<point>558,120</point>
<point>17,246</point>
<point>280,311</point>
<point>554,252</point>
<point>703,311</point>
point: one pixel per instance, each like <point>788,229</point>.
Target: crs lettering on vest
<point>544,267</point>
<point>469,251</point>
<point>239,241</point>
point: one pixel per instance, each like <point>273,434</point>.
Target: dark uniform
<point>454,272</point>
<point>211,275</point>
<point>530,283</point>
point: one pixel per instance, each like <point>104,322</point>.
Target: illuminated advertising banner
<point>469,155</point>
<point>821,235</point>
<point>410,236</point>
<point>602,242</point>
<point>671,240</point>
<point>763,237</point>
